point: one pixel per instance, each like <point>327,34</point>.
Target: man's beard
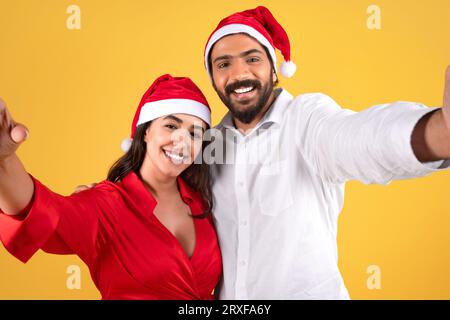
<point>249,112</point>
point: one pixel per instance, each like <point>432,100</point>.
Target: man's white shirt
<point>279,189</point>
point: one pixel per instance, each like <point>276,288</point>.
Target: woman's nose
<point>181,139</point>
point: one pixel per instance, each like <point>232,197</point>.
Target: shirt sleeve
<point>57,224</point>
<point>372,146</point>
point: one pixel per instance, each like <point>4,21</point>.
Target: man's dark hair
<point>265,50</point>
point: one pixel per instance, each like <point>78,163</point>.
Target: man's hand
<point>84,187</point>
<point>431,137</point>
<point>12,134</point>
<point>446,104</point>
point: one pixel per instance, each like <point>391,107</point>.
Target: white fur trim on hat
<point>238,28</point>
<point>288,69</point>
<point>156,109</point>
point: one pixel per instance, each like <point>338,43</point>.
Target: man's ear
<point>275,78</point>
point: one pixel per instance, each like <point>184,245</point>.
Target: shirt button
<point>244,223</point>
<point>241,184</point>
<point>243,263</point>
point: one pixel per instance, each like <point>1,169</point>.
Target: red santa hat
<point>260,24</point>
<point>169,95</point>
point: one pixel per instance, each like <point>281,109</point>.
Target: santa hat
<point>260,24</point>
<point>169,95</point>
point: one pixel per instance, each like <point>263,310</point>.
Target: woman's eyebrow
<point>197,127</point>
<point>173,118</point>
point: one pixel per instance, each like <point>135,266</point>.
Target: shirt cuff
<point>24,234</point>
<point>411,162</point>
<point>437,165</point>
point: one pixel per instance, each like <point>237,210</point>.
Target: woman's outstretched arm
<point>16,186</point>
<point>33,217</point>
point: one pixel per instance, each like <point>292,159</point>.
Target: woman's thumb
<point>19,133</point>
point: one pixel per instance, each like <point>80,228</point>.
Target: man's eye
<point>170,126</point>
<point>223,65</point>
<point>254,59</point>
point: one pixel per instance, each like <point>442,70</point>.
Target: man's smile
<point>244,93</point>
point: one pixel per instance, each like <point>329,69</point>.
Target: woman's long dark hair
<point>197,175</point>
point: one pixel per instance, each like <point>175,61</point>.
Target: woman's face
<point>173,143</point>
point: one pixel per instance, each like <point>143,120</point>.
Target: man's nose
<point>239,71</point>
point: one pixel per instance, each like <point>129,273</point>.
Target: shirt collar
<point>143,197</point>
<point>276,111</point>
<point>273,115</point>
<point>227,121</point>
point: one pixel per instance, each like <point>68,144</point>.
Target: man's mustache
<point>244,83</point>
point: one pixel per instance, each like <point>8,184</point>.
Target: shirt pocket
<point>273,188</point>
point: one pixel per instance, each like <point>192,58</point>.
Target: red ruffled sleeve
<point>57,224</point>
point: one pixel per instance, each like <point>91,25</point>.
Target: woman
<point>146,232</point>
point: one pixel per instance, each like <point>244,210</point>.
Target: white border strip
<point>156,109</point>
<point>238,28</point>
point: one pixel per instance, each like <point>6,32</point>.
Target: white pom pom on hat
<point>126,144</point>
<point>288,69</point>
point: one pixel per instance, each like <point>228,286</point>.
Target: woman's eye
<point>170,126</point>
<point>196,135</point>
<point>254,59</point>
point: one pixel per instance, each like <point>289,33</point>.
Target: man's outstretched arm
<point>431,136</point>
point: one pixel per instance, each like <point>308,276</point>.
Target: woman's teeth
<point>175,157</point>
<point>243,90</point>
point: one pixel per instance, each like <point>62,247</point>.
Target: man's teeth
<point>243,90</point>
<point>174,156</point>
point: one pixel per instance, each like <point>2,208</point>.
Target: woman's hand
<point>12,134</point>
<point>16,186</point>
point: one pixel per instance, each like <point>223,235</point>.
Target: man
<point>279,191</point>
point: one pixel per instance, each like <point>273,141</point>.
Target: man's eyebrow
<point>242,54</point>
<point>173,118</point>
<point>224,57</point>
<point>249,52</point>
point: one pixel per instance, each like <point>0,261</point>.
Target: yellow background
<point>77,91</point>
